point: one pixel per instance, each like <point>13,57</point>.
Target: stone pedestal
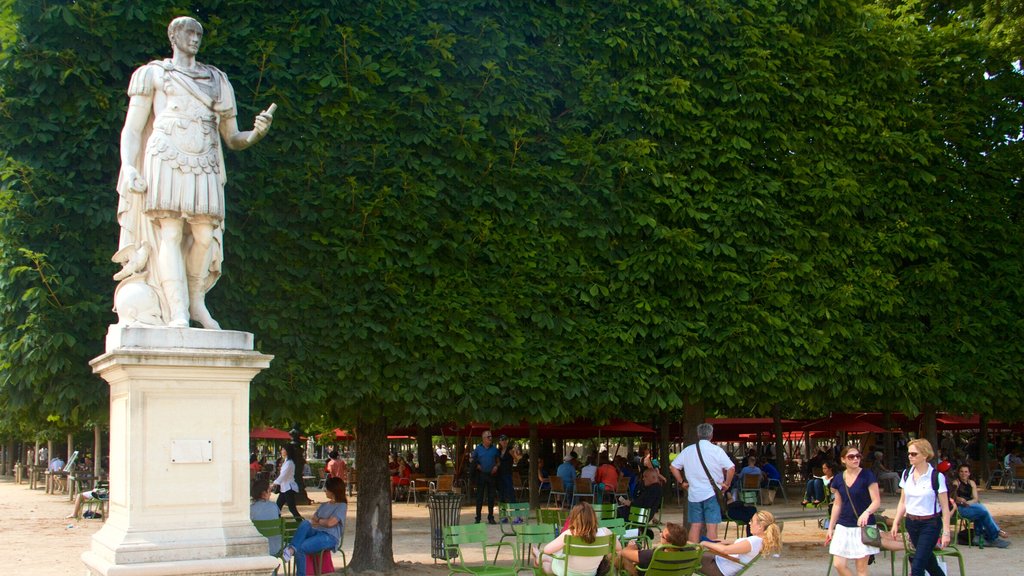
<point>179,447</point>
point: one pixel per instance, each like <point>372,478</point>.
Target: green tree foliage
<point>544,211</point>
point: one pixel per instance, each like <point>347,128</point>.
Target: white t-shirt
<point>588,472</point>
<point>728,567</point>
<point>688,461</point>
<point>578,565</point>
<point>920,497</point>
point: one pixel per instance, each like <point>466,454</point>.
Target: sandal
<point>804,503</point>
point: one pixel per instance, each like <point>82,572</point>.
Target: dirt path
<point>38,541</point>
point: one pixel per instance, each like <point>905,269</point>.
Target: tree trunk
<point>983,455</point>
<point>928,430</point>
<point>372,549</point>
<point>534,467</point>
<point>780,443</point>
<point>664,423</point>
<point>97,454</point>
<point>425,451</point>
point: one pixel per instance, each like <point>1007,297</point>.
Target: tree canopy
<point>548,211</point>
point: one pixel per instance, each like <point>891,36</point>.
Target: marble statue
<point>171,186</point>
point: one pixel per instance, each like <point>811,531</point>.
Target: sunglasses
<point>912,453</point>
<point>853,456</point>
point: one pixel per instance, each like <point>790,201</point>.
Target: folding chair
<point>673,561</point>
<point>575,546</point>
<point>557,489</point>
<point>459,538</point>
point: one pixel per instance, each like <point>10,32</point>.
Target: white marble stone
<point>163,338</point>
<point>170,188</point>
<point>179,430</point>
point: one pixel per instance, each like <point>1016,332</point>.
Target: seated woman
<point>543,476</point>
<point>750,469</point>
<point>263,509</point>
<point>816,487</point>
<point>765,539</point>
<point>582,523</point>
<point>402,478</point>
<point>965,495</point>
<point>324,530</point>
<point>631,557</point>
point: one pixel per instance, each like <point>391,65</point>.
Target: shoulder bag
<point>722,502</point>
<point>869,535</point>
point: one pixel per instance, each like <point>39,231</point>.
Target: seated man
<point>750,469</point>
<point>631,558</point>
<point>649,496</point>
<point>770,473</point>
<point>87,496</point>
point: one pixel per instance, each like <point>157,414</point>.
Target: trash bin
<point>444,511</point>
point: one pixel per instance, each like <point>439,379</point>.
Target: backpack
<point>935,484</point>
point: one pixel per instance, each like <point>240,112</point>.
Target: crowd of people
<point>846,480</point>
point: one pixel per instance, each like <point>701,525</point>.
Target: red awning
<point>269,433</point>
<point>337,434</point>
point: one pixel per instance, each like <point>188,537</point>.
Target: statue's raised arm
<point>171,185</point>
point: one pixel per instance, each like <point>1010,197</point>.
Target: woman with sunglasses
<point>855,495</point>
<point>927,515</point>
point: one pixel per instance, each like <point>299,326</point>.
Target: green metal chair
<point>744,568</point>
<point>270,529</point>
<point>673,561</point>
<point>512,514</point>
<point>616,525</point>
<point>949,551</point>
<point>640,520</point>
<point>577,547</point>
<point>604,510</point>
<point>528,536</point>
<point>459,539</point>
<point>554,518</point>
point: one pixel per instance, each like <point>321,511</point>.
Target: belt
<point>920,518</point>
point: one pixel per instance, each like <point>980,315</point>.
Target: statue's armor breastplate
<point>185,133</point>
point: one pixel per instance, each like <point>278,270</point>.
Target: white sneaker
<point>288,553</point>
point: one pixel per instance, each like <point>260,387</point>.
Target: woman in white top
<point>927,513</point>
<point>765,539</point>
<point>582,524</point>
<point>286,481</point>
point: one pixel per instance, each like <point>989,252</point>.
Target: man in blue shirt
<point>567,472</point>
<point>485,464</point>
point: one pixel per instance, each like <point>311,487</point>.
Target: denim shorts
<point>706,512</point>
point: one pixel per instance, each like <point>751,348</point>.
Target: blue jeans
<point>309,541</point>
<point>982,518</point>
<point>925,534</point>
<point>815,490</point>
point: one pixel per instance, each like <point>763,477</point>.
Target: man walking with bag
<point>703,463</point>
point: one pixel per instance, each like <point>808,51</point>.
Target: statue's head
<point>182,24</point>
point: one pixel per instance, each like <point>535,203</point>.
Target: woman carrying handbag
<point>856,497</point>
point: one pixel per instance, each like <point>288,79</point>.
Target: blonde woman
<point>856,497</point>
<point>765,539</point>
<point>925,508</point>
<point>582,523</point>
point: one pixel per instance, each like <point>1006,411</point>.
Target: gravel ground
<point>39,541</point>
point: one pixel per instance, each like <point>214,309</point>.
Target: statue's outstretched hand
<point>136,183</point>
<point>262,123</point>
